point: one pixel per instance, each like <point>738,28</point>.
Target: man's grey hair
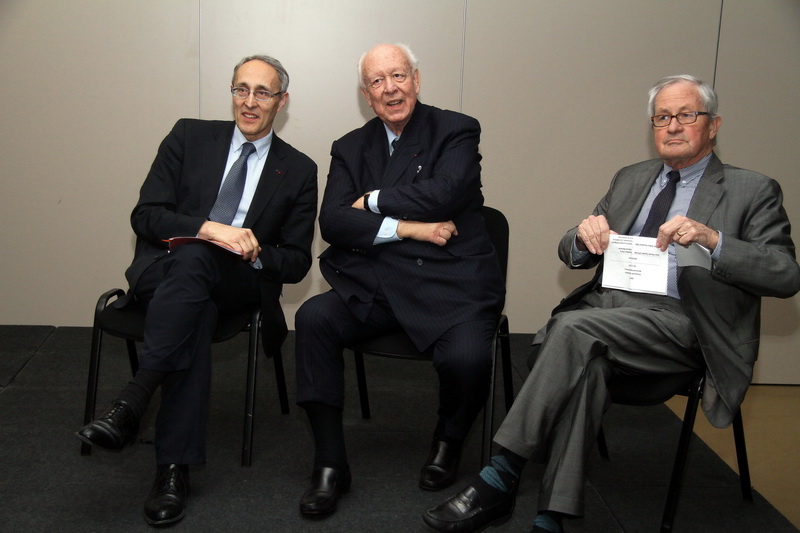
<point>707,94</point>
<point>410,57</point>
<point>283,76</point>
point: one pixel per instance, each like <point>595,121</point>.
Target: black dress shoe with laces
<point>166,503</point>
<point>113,429</point>
<point>464,512</point>
<point>440,469</point>
<point>326,488</point>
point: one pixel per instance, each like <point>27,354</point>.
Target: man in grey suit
<point>408,250</point>
<point>737,215</point>
<point>269,223</point>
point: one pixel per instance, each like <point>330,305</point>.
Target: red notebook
<point>174,242</point>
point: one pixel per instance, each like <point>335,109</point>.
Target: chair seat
<point>396,344</point>
<point>650,389</point>
<point>128,323</point>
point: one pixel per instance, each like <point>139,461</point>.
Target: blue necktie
<point>660,207</point>
<point>230,195</point>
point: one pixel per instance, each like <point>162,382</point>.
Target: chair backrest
<point>497,225</point>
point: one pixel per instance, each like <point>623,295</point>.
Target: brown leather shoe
<point>166,503</point>
<point>440,469</point>
<point>114,429</point>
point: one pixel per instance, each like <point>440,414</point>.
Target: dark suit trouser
<point>462,358</point>
<point>185,292</point>
<point>557,413</point>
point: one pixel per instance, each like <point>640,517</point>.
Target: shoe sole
<point>165,522</point>
<point>496,522</point>
<point>91,443</point>
<point>311,513</point>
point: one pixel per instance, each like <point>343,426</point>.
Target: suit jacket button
<point>419,262</point>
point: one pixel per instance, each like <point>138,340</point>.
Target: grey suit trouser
<point>558,412</point>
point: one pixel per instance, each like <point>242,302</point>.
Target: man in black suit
<point>409,250</point>
<point>269,224</point>
<point>710,320</point>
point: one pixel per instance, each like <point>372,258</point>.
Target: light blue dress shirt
<point>690,177</point>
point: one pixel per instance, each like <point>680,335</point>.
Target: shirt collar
<point>390,135</point>
<point>262,145</point>
<point>688,174</point>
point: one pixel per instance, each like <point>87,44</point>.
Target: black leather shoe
<point>113,429</point>
<point>440,469</point>
<point>166,503</point>
<point>464,512</point>
<point>326,488</point>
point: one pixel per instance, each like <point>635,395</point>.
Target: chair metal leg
<point>488,409</point>
<point>602,446</point>
<point>91,386</point>
<point>361,378</point>
<point>250,395</point>
<point>94,361</point>
<point>741,457</point>
<point>687,428</point>
<point>505,359</point>
<point>280,381</point>
<point>133,357</point>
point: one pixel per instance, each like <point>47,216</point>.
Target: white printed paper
<point>693,255</point>
<point>635,264</point>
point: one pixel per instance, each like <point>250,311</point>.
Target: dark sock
<point>137,393</point>
<point>329,447</point>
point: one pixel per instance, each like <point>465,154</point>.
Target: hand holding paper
<point>635,264</point>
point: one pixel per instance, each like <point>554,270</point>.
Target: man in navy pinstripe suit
<point>408,250</point>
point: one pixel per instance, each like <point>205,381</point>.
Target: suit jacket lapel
<point>274,172</point>
<point>376,156</point>
<point>631,202</point>
<point>708,192</point>
<point>215,156</point>
<point>407,149</point>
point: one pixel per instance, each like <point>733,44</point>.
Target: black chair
<point>398,345</point>
<point>657,389</point>
<point>128,324</point>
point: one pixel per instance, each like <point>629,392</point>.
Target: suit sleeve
<point>565,245</point>
<point>340,224</point>
<point>287,259</point>
<point>156,215</point>
<point>757,253</point>
<point>450,177</point>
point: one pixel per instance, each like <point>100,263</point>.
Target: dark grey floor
<point>45,485</point>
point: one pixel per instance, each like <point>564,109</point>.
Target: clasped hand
<point>436,232</point>
<point>240,240</point>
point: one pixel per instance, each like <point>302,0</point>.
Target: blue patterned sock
<point>500,474</point>
<point>547,522</point>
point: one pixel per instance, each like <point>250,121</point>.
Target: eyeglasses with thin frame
<point>377,82</point>
<point>685,118</point>
<point>262,95</point>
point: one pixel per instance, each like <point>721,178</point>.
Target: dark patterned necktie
<point>230,195</point>
<point>394,145</point>
<point>660,207</point>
